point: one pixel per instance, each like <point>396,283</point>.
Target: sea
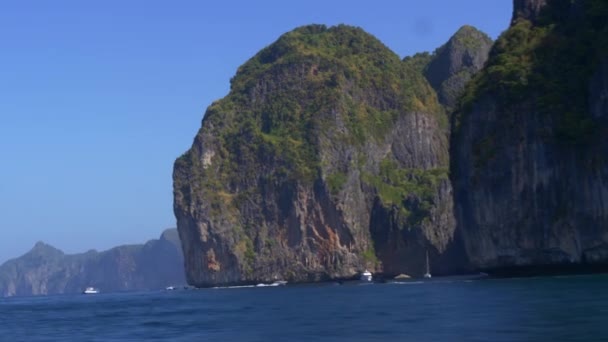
<point>568,308</point>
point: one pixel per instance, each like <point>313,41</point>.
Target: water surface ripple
<point>534,309</point>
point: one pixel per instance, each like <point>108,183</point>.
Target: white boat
<point>366,276</point>
<point>276,283</point>
<point>428,271</point>
<point>265,285</point>
<point>90,290</point>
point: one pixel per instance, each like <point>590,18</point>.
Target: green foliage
<point>411,191</point>
<point>244,247</point>
<point>367,122</point>
<point>297,158</point>
<point>470,37</point>
<point>249,252</point>
<point>508,70</point>
<point>419,61</point>
<point>335,181</point>
<point>552,62</point>
<point>281,100</point>
<point>369,255</point>
<point>403,182</point>
<point>346,47</point>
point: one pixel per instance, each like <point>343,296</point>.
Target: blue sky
<point>97,99</point>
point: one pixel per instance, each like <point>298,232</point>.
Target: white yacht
<point>366,276</point>
<point>428,271</point>
<point>90,290</point>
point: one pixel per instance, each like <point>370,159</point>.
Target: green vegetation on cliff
<point>284,97</point>
<point>419,61</point>
<point>552,61</point>
<point>528,150</point>
<point>412,191</point>
<point>286,170</point>
<point>450,67</point>
<point>329,153</point>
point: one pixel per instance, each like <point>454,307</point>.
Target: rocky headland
<point>331,155</point>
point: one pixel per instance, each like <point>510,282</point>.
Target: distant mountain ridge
<point>47,270</point>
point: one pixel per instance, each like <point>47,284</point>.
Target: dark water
<point>541,309</point>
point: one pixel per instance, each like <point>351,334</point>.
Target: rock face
<point>453,65</point>
<point>329,156</point>
<point>528,9</point>
<point>47,270</point>
<point>529,146</point>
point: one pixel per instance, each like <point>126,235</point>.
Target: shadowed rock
<point>530,176</point>
<point>527,9</point>
<point>454,64</point>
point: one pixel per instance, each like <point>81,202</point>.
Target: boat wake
<point>233,287</point>
<point>408,282</point>
<point>276,283</point>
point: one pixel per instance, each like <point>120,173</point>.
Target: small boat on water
<point>366,276</point>
<point>276,283</point>
<point>90,290</point>
<point>427,275</point>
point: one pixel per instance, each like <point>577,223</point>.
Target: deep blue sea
<point>532,309</point>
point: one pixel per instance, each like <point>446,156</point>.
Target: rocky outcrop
<point>527,9</point>
<point>47,270</point>
<point>528,161</point>
<point>329,156</point>
<point>453,65</point>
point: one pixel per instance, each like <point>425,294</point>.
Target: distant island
<point>45,270</point>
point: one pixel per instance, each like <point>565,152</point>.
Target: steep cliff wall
<point>328,156</point>
<point>528,149</point>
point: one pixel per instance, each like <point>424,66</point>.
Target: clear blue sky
<point>98,98</point>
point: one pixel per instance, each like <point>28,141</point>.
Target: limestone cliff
<point>529,142</point>
<point>46,270</point>
<point>528,9</point>
<point>453,65</point>
<point>328,156</point>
